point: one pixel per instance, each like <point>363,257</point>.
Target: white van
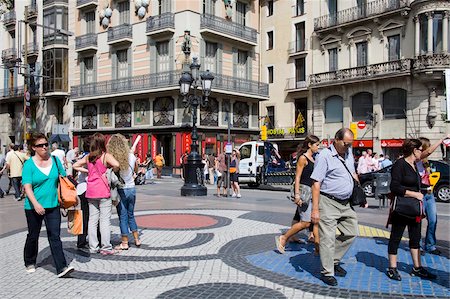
<point>252,162</point>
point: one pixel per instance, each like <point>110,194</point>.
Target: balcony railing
<point>9,18</point>
<point>164,80</point>
<point>9,54</point>
<point>55,39</point>
<point>32,10</point>
<point>435,61</point>
<point>296,84</point>
<point>358,12</point>
<point>86,41</point>
<point>11,92</point>
<point>85,3</point>
<point>298,46</point>
<point>373,71</point>
<point>230,83</point>
<point>163,21</point>
<point>226,27</point>
<point>119,32</point>
<point>53,2</point>
<point>32,49</point>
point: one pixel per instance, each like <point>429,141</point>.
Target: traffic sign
<point>27,96</point>
<point>361,124</point>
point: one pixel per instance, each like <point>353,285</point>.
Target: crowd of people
<point>370,162</point>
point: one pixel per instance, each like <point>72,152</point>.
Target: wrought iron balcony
<point>15,92</point>
<point>87,41</point>
<point>298,46</point>
<point>32,10</point>
<point>355,13</point>
<point>157,24</point>
<point>32,49</point>
<point>230,83</point>
<point>120,33</point>
<point>53,2</point>
<point>9,18</point>
<point>369,72</point>
<point>9,54</point>
<point>294,84</point>
<point>86,3</point>
<point>229,28</point>
<point>438,62</point>
<point>55,39</point>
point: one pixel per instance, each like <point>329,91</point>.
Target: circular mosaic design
<point>222,290</point>
<point>176,221</point>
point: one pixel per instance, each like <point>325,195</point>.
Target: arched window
<point>333,109</point>
<point>394,103</point>
<point>361,104</point>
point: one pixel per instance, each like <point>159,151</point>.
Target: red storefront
<point>392,147</point>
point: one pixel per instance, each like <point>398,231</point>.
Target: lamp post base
<point>193,178</point>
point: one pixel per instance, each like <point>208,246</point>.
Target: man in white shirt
<point>60,154</point>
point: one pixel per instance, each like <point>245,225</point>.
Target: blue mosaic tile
<point>366,263</point>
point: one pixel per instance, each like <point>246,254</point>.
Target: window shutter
<point>249,65</point>
<point>219,56</point>
<point>15,77</point>
<point>114,65</point>
<point>202,54</point>
<point>235,59</point>
<point>94,70</point>
<point>171,56</point>
<point>5,81</point>
<point>37,79</point>
<point>130,61</point>
<point>152,56</point>
<point>82,70</point>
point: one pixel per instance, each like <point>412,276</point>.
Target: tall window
<point>241,10</point>
<point>270,74</point>
<point>361,54</point>
<point>55,70</point>
<point>122,63</point>
<point>124,12</point>
<point>271,117</point>
<point>332,9</point>
<point>423,22</point>
<point>163,6</point>
<point>437,32</point>
<point>90,21</point>
<point>394,47</point>
<point>270,40</point>
<point>56,18</point>
<point>333,109</point>
<point>88,70</point>
<point>300,7</point>
<point>269,8</point>
<point>333,59</point>
<point>300,72</point>
<point>241,67</point>
<point>394,103</point>
<point>210,56</point>
<point>163,60</point>
<point>209,7</point>
<point>300,36</point>
<point>361,104</point>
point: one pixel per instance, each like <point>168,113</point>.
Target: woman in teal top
<point>40,180</point>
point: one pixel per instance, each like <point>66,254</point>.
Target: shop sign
<point>363,143</point>
<point>391,142</point>
<point>154,145</point>
<point>186,142</point>
<point>286,132</point>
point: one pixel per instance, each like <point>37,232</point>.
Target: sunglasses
<point>41,145</point>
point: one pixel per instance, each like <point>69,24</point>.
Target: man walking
<point>59,153</point>
<point>14,163</point>
<point>331,191</point>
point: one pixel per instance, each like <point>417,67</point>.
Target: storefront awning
<point>59,138</point>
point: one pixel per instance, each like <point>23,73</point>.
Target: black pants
<point>399,223</point>
<point>17,184</point>
<point>52,219</point>
<point>81,242</point>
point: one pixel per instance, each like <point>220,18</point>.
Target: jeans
<point>99,213</point>
<point>85,208</point>
<point>52,219</point>
<point>126,210</point>
<point>17,184</point>
<point>430,210</point>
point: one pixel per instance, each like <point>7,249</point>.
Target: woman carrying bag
<point>98,193</point>
<point>405,185</point>
<point>40,180</point>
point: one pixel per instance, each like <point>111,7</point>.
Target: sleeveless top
<point>97,183</point>
<point>305,179</point>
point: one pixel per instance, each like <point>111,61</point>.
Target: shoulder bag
<point>67,193</point>
<point>408,207</point>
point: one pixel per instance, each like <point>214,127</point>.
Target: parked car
<point>439,179</point>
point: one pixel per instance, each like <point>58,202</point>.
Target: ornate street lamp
<point>193,176</point>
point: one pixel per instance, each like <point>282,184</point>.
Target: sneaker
<point>339,271</point>
<point>66,272</point>
<point>329,280</point>
<point>31,269</point>
<point>234,195</point>
<point>239,195</point>
<point>18,198</point>
<point>107,252</point>
<point>392,273</point>
<point>423,273</point>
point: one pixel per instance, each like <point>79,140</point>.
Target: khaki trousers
<point>333,247</point>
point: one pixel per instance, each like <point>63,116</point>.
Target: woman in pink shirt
<point>98,193</point>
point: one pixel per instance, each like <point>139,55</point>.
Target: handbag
<point>67,193</point>
<point>305,194</point>
<point>75,222</point>
<point>408,207</point>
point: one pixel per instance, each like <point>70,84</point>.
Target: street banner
<point>447,91</point>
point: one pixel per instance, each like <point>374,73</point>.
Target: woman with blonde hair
<point>118,147</point>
